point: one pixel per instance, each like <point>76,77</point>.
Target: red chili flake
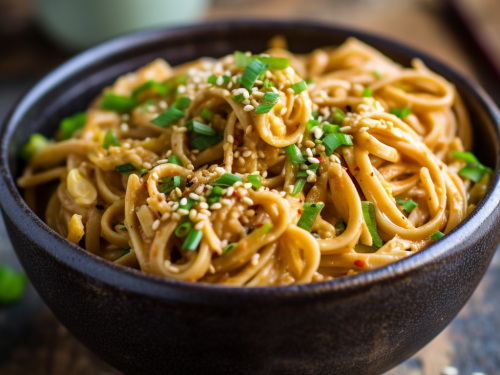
<point>371,174</point>
<point>258,225</point>
<point>145,184</point>
<point>300,210</point>
<point>300,200</point>
<point>430,198</point>
<point>205,188</point>
<point>356,169</point>
<point>359,263</point>
<point>320,159</point>
<point>236,194</point>
<point>441,167</point>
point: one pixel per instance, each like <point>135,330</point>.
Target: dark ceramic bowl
<point>143,324</point>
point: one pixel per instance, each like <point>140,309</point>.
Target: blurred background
<point>38,35</point>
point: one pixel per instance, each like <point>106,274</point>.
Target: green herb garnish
<point>308,217</point>
<point>474,170</point>
<point>168,117</point>
<point>295,155</point>
<point>255,180</point>
<point>110,139</point>
<point>227,179</point>
<point>437,236</point>
<point>118,103</point>
<point>126,168</point>
<point>199,128</point>
<point>400,112</point>
<point>37,143</point>
<point>71,124</point>
<point>205,141</point>
<point>252,73</point>
<point>207,114</point>
<point>12,285</point>
<point>193,240</point>
<point>299,87</point>
<point>408,206</point>
<point>334,140</point>
<point>157,87</point>
<point>371,222</point>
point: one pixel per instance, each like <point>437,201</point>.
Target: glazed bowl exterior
<point>143,324</point>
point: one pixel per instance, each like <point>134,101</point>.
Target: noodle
<point>187,174</point>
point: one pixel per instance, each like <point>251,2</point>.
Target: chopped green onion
<point>118,103</point>
<point>295,155</point>
<point>177,80</point>
<point>207,114</point>
<point>334,140</point>
<point>338,116</point>
<point>189,204</point>
<point>299,87</point>
<point>400,112</point>
<point>193,240</point>
<point>318,141</point>
<point>168,117</point>
<point>259,232</point>
<point>367,92</point>
<point>268,102</point>
<point>126,168</point>
<point>12,285</point>
<point>340,227</point>
<point>205,141</point>
<point>329,128</point>
<point>199,128</point>
<point>183,102</point>
<point>174,160</point>
<point>70,124</point>
<point>184,227</point>
<point>144,171</point>
<point>158,87</point>
<point>125,251</point>
<point>309,81</point>
<point>437,236</point>
<point>377,74</point>
<point>278,63</point>
<point>474,170</point>
<point>228,248</point>
<point>312,123</point>
<point>299,185</point>
<point>169,184</point>
<point>408,206</point>
<point>124,229</point>
<point>215,195</point>
<point>308,217</point>
<point>364,249</point>
<point>227,179</point>
<point>37,143</point>
<point>238,98</point>
<point>315,114</point>
<point>110,140</point>
<point>213,79</point>
<point>268,83</point>
<point>255,180</point>
<point>371,222</point>
<point>251,73</point>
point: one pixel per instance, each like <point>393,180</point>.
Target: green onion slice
<point>278,63</point>
<point>238,98</point>
<point>295,155</point>
<point>205,141</point>
<point>118,103</point>
<point>312,123</point>
<point>184,227</point>
<point>340,227</point>
<point>377,74</point>
<point>400,112</point>
<point>367,93</point>
<point>315,114</point>
<point>408,206</point>
<point>308,217</point>
<point>329,128</point>
<point>169,184</point>
<point>189,204</point>
<point>125,251</point>
<point>12,285</point>
<point>193,240</point>
<point>199,128</point>
<point>213,79</point>
<point>268,101</point>
<point>215,195</point>
<point>338,116</point>
<point>227,179</point>
<point>110,139</point>
<point>437,236</point>
<point>474,170</point>
<point>334,140</point>
<point>168,117</point>
<point>309,81</point>
<point>371,222</point>
<point>299,185</point>
<point>228,248</point>
<point>251,73</point>
<point>70,124</point>
<point>126,168</point>
<point>174,160</point>
<point>157,87</point>
<point>255,180</point>
<point>261,231</point>
<point>37,143</point>
<point>207,114</point>
<point>182,103</point>
<point>299,87</point>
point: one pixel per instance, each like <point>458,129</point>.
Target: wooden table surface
<point>471,343</point>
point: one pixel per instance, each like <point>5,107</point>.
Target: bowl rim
<point>131,280</point>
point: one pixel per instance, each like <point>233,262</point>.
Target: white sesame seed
<point>175,206</point>
<point>247,201</point>
<point>124,127</point>
<point>156,225</point>
<point>195,151</point>
<point>220,171</point>
<point>312,160</point>
<point>165,216</point>
<point>363,129</point>
<point>151,108</point>
<point>184,201</point>
<point>202,215</point>
<point>249,129</point>
<point>181,89</point>
<point>190,167</point>
<point>248,185</point>
<point>245,102</point>
<point>216,206</point>
<point>199,225</point>
<point>200,189</point>
<point>168,154</point>
<point>203,205</point>
<point>147,165</point>
<point>344,129</point>
<point>318,133</point>
<point>230,138</point>
<point>254,89</point>
<point>223,192</point>
<point>219,81</point>
<point>224,243</point>
<point>309,152</point>
<point>261,154</point>
<point>211,269</point>
<point>173,269</point>
<point>178,192</point>
<point>245,93</point>
<point>176,216</point>
<point>162,104</point>
<point>182,211</point>
<point>264,174</point>
<point>126,145</point>
<point>248,108</point>
<point>193,214</point>
<point>194,196</point>
<point>310,173</point>
<point>155,175</point>
<point>237,184</point>
<point>230,191</point>
<point>246,154</point>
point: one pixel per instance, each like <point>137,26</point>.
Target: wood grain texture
<point>470,342</point>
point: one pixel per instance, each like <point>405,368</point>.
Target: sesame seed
<point>230,138</point>
<point>363,129</point>
<point>176,216</point>
<point>318,133</point>
<point>309,152</point>
<point>211,269</point>
<point>274,90</point>
<point>155,175</point>
<point>246,154</point>
<point>237,184</point>
<point>126,145</point>
<point>178,192</point>
<point>181,89</point>
<point>248,108</point>
<point>151,108</point>
<point>248,129</point>
<point>195,151</point>
<point>282,193</point>
<point>230,191</point>
<point>264,174</point>
<point>173,269</point>
<point>184,201</point>
<point>310,173</point>
<point>175,206</point>
<point>147,165</point>
<point>194,196</point>
<point>220,171</point>
<point>312,160</point>
<point>124,127</point>
<point>344,129</point>
<point>192,214</point>
<point>165,216</point>
<point>245,102</point>
<point>248,201</point>
<point>182,212</point>
<point>156,225</point>
<point>199,225</point>
<point>190,167</point>
<point>248,185</point>
<point>203,205</point>
<point>168,154</point>
<point>162,104</point>
<point>219,81</point>
<point>309,144</point>
<point>216,206</point>
<point>199,189</point>
<point>236,154</point>
<point>261,154</point>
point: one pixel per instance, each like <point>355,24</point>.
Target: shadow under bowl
<point>363,324</point>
